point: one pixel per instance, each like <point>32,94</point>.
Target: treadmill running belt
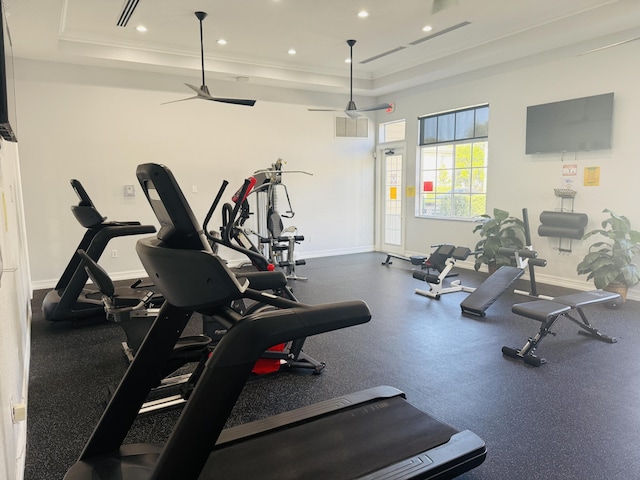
<point>344,445</point>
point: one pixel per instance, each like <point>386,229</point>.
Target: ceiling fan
<point>439,5</point>
<point>351,110</point>
<point>203,91</point>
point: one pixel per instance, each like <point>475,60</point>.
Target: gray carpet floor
<point>575,417</point>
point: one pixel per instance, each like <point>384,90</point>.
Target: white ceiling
<point>260,32</point>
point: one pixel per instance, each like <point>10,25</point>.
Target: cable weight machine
<point>277,242</point>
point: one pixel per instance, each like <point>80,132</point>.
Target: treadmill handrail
<point>229,368</point>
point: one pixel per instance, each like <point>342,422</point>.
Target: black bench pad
<point>540,310</point>
<point>582,299</point>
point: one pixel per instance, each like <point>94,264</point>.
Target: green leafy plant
<point>611,261</point>
<point>498,231</point>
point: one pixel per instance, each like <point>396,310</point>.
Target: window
<point>391,131</point>
<point>453,163</point>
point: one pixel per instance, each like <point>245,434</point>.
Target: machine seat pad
<point>461,253</point>
<point>581,299</point>
<point>417,259</point>
<point>265,280</point>
<point>540,310</point>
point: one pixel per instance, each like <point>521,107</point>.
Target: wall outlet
<point>114,253</point>
<point>19,412</point>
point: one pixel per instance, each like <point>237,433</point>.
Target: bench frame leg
<point>526,353</point>
<point>587,329</point>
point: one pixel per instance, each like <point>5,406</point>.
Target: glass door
<point>392,192</point>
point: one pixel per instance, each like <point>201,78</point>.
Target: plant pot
<point>619,288</point>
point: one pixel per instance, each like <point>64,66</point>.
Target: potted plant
<point>498,231</point>
<point>610,262</point>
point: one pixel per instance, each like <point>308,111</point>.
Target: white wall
<point>15,314</point>
<point>517,180</point>
<point>97,125</point>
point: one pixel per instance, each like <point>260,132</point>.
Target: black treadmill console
<point>85,212</point>
<point>180,260</point>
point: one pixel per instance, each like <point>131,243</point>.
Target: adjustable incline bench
<point>548,311</point>
<point>497,283</point>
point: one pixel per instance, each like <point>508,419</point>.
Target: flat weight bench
<point>548,311</point>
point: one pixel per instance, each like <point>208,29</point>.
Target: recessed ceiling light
<point>292,51</point>
<point>363,14</point>
<point>222,41</point>
<point>427,28</point>
<point>347,60</point>
<point>141,28</point>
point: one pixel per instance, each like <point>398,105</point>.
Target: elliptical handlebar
<point>229,216</point>
<point>214,205</point>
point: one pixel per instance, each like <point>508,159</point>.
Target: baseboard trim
<point>633,294</point>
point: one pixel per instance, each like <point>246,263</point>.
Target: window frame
<point>449,165</point>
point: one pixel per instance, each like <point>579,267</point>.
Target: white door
<point>391,220</point>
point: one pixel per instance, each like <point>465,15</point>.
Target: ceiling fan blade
<point>380,106</point>
<point>203,93</point>
<point>234,101</point>
<point>352,113</point>
<point>181,100</point>
<point>322,110</point>
<point>439,5</point>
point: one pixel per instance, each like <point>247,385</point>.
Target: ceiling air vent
<point>416,42</point>
<point>127,10</point>
<point>441,32</point>
<point>376,57</point>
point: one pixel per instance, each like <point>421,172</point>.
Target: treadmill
<point>372,434</point>
<point>70,300</point>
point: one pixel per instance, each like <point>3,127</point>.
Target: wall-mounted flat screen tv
<point>576,125</point>
<point>7,112</point>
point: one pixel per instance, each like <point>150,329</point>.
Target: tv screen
<point>581,124</point>
<point>7,112</point>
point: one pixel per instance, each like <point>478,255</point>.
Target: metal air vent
<point>352,127</point>
<point>416,42</point>
<point>127,10</point>
<point>441,32</point>
<point>376,57</point>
